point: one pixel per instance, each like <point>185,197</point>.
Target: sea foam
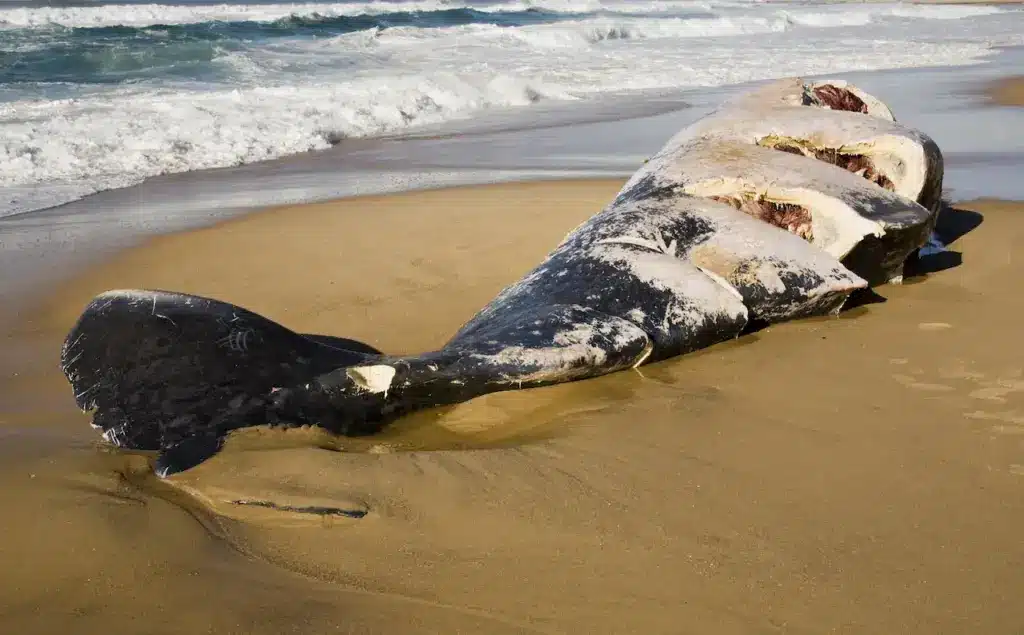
<point>85,106</point>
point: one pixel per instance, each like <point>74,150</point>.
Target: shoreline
<point>88,230</point>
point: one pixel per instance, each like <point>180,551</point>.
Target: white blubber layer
<point>896,150</point>
<point>835,227</point>
<point>900,158</point>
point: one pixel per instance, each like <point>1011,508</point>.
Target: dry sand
<point>863,474</point>
<point>1008,91</point>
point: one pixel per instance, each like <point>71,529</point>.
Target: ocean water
<point>97,96</point>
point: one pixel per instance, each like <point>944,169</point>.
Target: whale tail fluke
<point>174,373</point>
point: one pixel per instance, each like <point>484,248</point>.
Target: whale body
<point>777,206</point>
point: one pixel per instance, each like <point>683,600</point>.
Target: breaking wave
<point>93,97</point>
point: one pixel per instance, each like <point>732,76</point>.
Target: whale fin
<point>174,373</point>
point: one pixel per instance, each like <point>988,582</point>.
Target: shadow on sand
<point>951,225</point>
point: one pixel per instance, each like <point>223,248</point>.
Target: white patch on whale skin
<point>769,278</point>
<point>580,335</point>
<point>740,247</point>
<point>636,315</point>
<point>133,294</point>
<point>725,284</point>
<point>136,296</point>
<point>112,435</point>
<point>573,356</point>
<point>656,244</point>
<point>375,379</point>
<point>569,346</point>
<point>699,298</point>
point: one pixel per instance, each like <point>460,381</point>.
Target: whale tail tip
<point>174,373</point>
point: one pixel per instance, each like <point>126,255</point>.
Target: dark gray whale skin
<point>656,274</point>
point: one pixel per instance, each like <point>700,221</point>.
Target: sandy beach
<point>1008,91</point>
<point>854,475</point>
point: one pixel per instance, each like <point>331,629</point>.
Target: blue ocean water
<point>117,53</point>
<point>95,96</point>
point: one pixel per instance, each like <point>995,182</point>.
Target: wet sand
<point>861,474</point>
<point>1008,91</point>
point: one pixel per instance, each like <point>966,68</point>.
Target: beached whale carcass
<point>717,231</point>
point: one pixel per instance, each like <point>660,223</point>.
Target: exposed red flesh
<point>856,163</point>
<point>839,98</point>
<point>793,218</point>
